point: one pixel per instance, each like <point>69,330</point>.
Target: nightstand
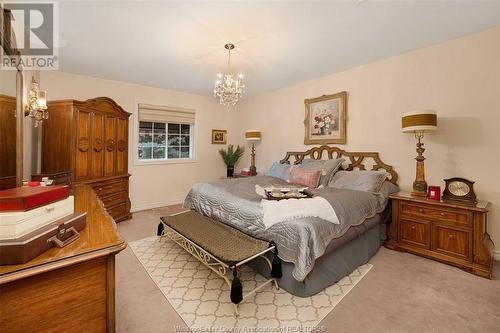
<point>239,175</point>
<point>450,232</point>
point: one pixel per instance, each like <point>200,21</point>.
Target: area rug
<point>201,297</point>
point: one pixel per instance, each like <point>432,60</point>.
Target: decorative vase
<point>324,130</point>
<point>230,171</point>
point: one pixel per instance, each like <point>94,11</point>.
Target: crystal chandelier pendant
<point>229,87</point>
<point>36,107</point>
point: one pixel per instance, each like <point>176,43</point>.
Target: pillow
<point>388,188</point>
<point>279,170</point>
<point>360,180</point>
<point>305,177</point>
<point>327,168</point>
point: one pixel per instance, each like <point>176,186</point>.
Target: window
<point>158,141</point>
<point>165,134</point>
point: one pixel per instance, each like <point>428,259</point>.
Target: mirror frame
<point>8,42</point>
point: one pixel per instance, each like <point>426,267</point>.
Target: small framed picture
<point>219,137</point>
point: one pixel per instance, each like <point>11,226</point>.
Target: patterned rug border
<point>367,266</point>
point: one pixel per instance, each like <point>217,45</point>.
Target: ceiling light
<point>229,87</point>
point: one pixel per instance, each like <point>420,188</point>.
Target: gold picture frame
<point>219,137</point>
<point>325,120</point>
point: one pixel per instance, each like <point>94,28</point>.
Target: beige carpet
<point>201,297</point>
<point>401,293</point>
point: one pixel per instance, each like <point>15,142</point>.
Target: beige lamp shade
<point>419,121</point>
<point>253,135</point>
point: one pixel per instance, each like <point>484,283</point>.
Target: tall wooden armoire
<point>90,139</point>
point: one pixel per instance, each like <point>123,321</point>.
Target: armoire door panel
<point>82,159</point>
<point>97,145</point>
<point>121,152</point>
<point>110,146</point>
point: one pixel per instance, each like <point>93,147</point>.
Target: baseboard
<point>138,208</point>
<point>496,255</point>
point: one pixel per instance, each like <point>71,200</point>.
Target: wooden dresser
<point>90,139</point>
<point>449,232</point>
<point>70,289</point>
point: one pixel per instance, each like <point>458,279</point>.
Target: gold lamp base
<point>253,168</point>
<point>420,185</point>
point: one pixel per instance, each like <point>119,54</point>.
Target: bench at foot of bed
<point>221,248</point>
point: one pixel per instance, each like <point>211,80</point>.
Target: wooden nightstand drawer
<point>452,242</point>
<point>415,233</point>
<point>436,214</point>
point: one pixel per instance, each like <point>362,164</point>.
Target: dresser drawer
<point>109,187</point>
<point>114,199</point>
<point>415,233</point>
<point>118,211</point>
<point>453,242</point>
<point>436,214</point>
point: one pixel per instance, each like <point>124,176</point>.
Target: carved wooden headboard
<point>357,160</point>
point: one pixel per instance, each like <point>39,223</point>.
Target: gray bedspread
<point>299,241</point>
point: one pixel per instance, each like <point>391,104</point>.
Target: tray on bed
<point>284,195</point>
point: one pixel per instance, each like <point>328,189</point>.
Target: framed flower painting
<point>219,137</point>
<point>326,119</point>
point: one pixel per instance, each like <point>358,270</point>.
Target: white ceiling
<point>180,45</point>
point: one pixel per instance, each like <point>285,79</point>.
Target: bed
<point>315,253</point>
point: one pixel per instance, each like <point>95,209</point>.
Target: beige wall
<point>460,79</point>
<point>160,184</point>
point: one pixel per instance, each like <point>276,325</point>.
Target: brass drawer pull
<point>413,227</point>
<point>105,187</point>
<point>49,209</point>
<point>443,214</point>
<point>450,236</point>
<point>420,210</point>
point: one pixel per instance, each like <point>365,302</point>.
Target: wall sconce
<point>37,103</point>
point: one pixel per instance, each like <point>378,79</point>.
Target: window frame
<point>192,139</point>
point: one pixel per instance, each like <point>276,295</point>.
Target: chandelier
<point>37,103</point>
<point>229,87</point>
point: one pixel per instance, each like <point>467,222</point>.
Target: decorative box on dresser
<point>90,139</point>
<point>450,232</point>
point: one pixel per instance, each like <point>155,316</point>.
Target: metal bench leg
<point>236,312</point>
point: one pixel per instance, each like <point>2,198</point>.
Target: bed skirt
<point>331,267</point>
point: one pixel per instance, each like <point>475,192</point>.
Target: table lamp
<point>419,122</point>
<point>253,136</point>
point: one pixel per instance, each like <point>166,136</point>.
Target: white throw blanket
<point>285,210</point>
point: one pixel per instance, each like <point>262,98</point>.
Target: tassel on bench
<point>159,232</point>
<point>236,287</point>
<point>276,271</point>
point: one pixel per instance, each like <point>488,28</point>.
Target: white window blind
<point>155,113</point>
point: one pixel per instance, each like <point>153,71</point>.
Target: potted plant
<point>230,157</point>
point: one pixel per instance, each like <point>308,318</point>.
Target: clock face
<point>458,189</point>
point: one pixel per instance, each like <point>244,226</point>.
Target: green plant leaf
<point>231,155</point>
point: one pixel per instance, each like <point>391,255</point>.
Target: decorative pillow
<point>361,180</point>
<point>304,177</point>
<point>388,188</point>
<point>279,170</point>
<point>327,167</point>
